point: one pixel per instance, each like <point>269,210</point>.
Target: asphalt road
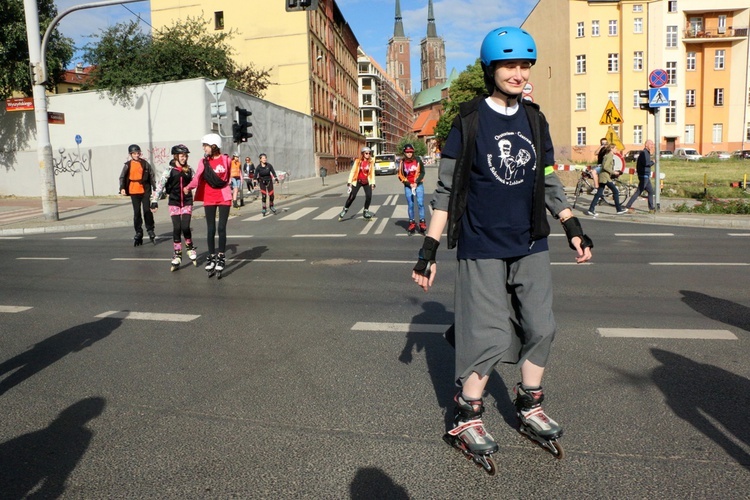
<point>315,367</point>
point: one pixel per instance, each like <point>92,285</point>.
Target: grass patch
<point>705,179</point>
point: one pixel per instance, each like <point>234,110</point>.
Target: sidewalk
<point>19,216</point>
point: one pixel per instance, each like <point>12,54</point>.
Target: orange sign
<point>55,118</point>
<point>19,104</point>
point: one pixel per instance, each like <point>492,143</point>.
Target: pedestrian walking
<point>211,184</point>
<point>248,170</point>
<point>138,180</point>
<point>266,178</point>
<point>236,181</point>
<point>643,170</point>
<point>361,175</point>
<point>411,174</point>
<point>605,180</point>
<point>496,181</point>
<point>172,184</point>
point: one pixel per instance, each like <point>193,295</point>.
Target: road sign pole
<point>657,180</point>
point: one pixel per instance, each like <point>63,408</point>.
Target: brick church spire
<point>433,66</point>
<point>398,56</point>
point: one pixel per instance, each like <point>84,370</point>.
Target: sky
<point>461,23</point>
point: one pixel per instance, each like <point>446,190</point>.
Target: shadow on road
<point>53,349</point>
<point>37,464</point>
<point>371,482</point>
<point>244,258</point>
<point>724,311</point>
<point>713,400</point>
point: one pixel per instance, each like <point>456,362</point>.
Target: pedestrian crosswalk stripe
<point>319,236</point>
<point>643,234</point>
<point>666,333</point>
<point>382,225</point>
<point>298,214</point>
<point>399,327</point>
<point>79,238</point>
<point>13,309</point>
<point>148,316</point>
<point>370,224</point>
<point>328,214</point>
<point>698,264</point>
<point>41,258</point>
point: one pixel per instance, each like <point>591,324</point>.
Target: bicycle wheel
<point>577,192</point>
<point>622,190</point>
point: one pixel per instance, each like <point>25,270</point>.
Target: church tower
<point>432,54</point>
<point>398,61</point>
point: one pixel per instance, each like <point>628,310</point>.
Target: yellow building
<point>604,50</point>
<point>311,57</point>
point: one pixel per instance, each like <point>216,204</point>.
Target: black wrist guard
<point>426,256</point>
<point>573,228</point>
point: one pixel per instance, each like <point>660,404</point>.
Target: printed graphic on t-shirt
<point>508,165</point>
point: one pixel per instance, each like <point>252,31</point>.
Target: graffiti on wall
<point>72,163</point>
<point>159,156</point>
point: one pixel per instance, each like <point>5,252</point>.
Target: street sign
<point>216,87</point>
<point>658,78</point>
<point>79,139</point>
<point>528,88</point>
<point>218,109</point>
<point>613,138</point>
<point>528,98</point>
<point>658,98</point>
<point>611,115</point>
<point>54,118</point>
<point>19,104</point>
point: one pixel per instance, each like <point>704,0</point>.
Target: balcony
<point>693,35</point>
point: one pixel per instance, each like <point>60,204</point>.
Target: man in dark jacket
<point>643,169</point>
<point>137,180</point>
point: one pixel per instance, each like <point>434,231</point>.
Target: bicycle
<point>586,183</point>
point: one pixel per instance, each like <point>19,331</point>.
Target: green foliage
<point>125,57</point>
<point>468,85</point>
<point>14,47</point>
<point>420,148</point>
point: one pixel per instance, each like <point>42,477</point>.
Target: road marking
<point>666,333</point>
<point>79,238</point>
<point>399,327</point>
<point>382,225</point>
<point>328,214</point>
<point>318,235</point>
<point>242,236</point>
<point>41,258</point>
<point>698,264</point>
<point>298,214</point>
<point>183,318</point>
<point>10,237</point>
<point>268,260</point>
<point>13,309</point>
<point>388,200</point>
<point>643,234</point>
<point>370,224</point>
<point>376,261</point>
<point>738,234</point>
<point>140,259</point>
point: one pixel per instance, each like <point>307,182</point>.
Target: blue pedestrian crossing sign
<point>658,98</point>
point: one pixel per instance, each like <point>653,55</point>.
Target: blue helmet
<point>507,43</point>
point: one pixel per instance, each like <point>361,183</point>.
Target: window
<point>580,31</point>
<point>689,134</point>
<point>638,8</point>
<point>670,116</point>
<point>722,24</point>
<point>580,101</point>
<point>638,134</point>
<point>690,98</point>
<point>614,96</point>
<point>613,27</point>
<point>719,57</point>
<point>671,72</point>
<point>718,97</point>
<point>219,20</point>
<point>594,28</point>
<point>672,6</point>
<point>671,36</point>
<point>581,136</point>
<point>638,25</point>
<point>747,131</point>
<point>717,133</point>
<point>613,63</point>
<point>400,48</point>
<point>638,60</point>
<point>580,64</point>
<point>636,99</point>
<point>690,61</point>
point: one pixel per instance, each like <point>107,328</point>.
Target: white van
<point>687,154</point>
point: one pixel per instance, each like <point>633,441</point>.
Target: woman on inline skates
<point>362,175</point>
<point>212,182</point>
<point>266,176</point>
<point>171,184</point>
<point>495,184</point>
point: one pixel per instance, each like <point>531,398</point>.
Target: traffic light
<point>298,5</point>
<point>643,94</point>
<point>241,124</point>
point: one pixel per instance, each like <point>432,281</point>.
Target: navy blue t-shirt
<point>497,221</point>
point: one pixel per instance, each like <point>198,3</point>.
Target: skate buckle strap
<point>468,425</point>
<point>537,413</point>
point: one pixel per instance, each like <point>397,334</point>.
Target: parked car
<point>689,154</point>
<point>742,154</point>
<point>718,155</point>
<point>666,155</point>
<point>632,155</point>
<point>385,164</point>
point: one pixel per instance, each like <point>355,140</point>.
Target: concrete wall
<point>161,116</point>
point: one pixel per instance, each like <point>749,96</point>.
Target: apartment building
<point>385,110</point>
<point>311,57</point>
<point>604,50</point>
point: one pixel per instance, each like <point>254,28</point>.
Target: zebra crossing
<point>389,209</point>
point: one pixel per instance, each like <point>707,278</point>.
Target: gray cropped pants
<point>503,313</point>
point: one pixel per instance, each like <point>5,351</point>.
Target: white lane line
<point>666,333</point>
<point>370,224</point>
<point>41,258</point>
<point>381,226</point>
<point>10,237</point>
<point>331,213</point>
<point>139,259</point>
<point>254,218</point>
<point>183,318</point>
<point>643,234</point>
<point>570,263</point>
<point>401,212</point>
<point>241,236</point>
<point>388,200</point>
<point>268,260</point>
<point>298,214</point>
<point>318,236</point>
<point>698,264</point>
<point>79,238</point>
<point>376,261</point>
<point>13,309</point>
<point>399,327</point>
<point>738,234</point>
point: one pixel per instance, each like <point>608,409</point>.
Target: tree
<point>14,48</point>
<point>124,57</point>
<point>420,149</point>
<point>468,85</point>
